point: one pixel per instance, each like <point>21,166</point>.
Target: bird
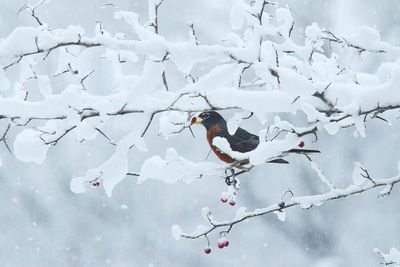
<point>241,141</point>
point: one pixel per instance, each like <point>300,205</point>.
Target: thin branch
<point>32,9</point>
<point>4,138</point>
<point>321,175</point>
<point>105,136</point>
<point>304,202</point>
<point>193,33</point>
<point>376,110</point>
<point>241,74</point>
<point>51,48</point>
<point>333,38</point>
<point>85,77</point>
<point>164,79</point>
<point>55,140</point>
<point>133,174</point>
<point>155,24</point>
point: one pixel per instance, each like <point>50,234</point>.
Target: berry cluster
<point>222,243</point>
<point>231,202</point>
<point>229,197</point>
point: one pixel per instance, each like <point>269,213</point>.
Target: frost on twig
<point>32,9</point>
<point>322,176</point>
<point>304,202</point>
<point>390,259</point>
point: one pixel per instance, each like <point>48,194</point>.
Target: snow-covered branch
<point>390,259</point>
<point>305,202</point>
<point>257,69</point>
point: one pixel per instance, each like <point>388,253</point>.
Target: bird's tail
<point>303,151</point>
<point>279,161</point>
<point>296,151</point>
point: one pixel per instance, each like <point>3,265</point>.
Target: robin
<point>241,141</point>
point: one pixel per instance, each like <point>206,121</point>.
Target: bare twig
<point>51,48</point>
<point>105,136</point>
<point>390,259</point>
<point>84,78</point>
<point>330,37</point>
<point>32,9</point>
<point>4,138</point>
<point>57,138</point>
<point>305,202</point>
<point>133,174</point>
<point>193,32</point>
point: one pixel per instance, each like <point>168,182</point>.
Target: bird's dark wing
<point>303,151</point>
<point>242,140</point>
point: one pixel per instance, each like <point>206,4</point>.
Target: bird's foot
<point>243,165</point>
<point>231,181</point>
<point>240,163</point>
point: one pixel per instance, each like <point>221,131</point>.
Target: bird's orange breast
<point>213,132</point>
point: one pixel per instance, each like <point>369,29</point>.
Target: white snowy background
<point>44,223</point>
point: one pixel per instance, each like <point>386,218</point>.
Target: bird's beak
<point>196,120</point>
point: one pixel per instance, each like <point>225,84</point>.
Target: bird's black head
<point>209,119</point>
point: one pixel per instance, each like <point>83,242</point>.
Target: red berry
<point>207,250</point>
<point>232,203</point>
<point>301,144</point>
<point>226,243</point>
<point>221,245</point>
<point>224,200</point>
<point>193,120</point>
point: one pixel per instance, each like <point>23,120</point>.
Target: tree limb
<point>304,202</point>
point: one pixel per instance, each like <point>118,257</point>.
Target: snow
<point>171,123</point>
<point>332,128</point>
<point>281,215</point>
<point>133,20</point>
<point>297,79</point>
<point>58,104</point>
<point>284,16</point>
<point>234,39</point>
<point>259,102</point>
<point>114,169</point>
<point>4,82</point>
<point>392,258</point>
<point>240,213</point>
<point>233,123</point>
<point>312,113</point>
<point>313,31</point>
<point>321,175</point>
<point>176,232</point>
<point>236,15</point>
<point>28,147</point>
<point>22,39</point>
<point>16,42</point>
<point>77,185</point>
<point>295,83</point>
<point>175,168</point>
<point>86,131</point>
<point>386,190</point>
<point>206,214</point>
<point>366,37</point>
<point>44,85</point>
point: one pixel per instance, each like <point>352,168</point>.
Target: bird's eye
<point>205,115</point>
